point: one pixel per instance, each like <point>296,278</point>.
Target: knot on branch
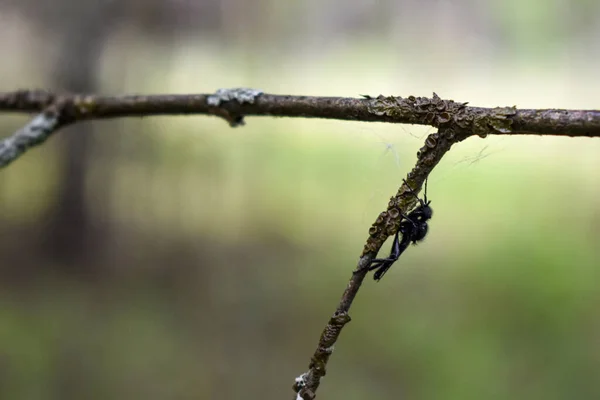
<point>241,95</point>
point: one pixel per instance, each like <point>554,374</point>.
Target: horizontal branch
<point>234,104</point>
<point>84,107</point>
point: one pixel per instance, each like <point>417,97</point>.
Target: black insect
<point>413,229</point>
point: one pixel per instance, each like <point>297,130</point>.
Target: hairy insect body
<point>413,228</point>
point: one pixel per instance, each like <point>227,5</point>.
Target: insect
<point>413,228</point>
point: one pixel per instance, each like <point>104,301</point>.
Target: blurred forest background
<point>177,258</point>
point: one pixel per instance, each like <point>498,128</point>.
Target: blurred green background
<point>176,258</point>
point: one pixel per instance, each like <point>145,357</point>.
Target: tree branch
<point>34,133</point>
<point>234,104</point>
<point>387,223</point>
<point>455,122</point>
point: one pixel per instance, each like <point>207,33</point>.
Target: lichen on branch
<point>465,121</point>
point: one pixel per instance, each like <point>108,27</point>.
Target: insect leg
<point>376,263</point>
<point>398,247</point>
<point>381,271</point>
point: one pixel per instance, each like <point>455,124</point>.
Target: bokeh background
<point>176,258</point>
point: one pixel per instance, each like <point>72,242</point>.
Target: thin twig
<point>436,145</point>
<point>32,134</point>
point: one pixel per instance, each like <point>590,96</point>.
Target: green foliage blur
<point>216,255</point>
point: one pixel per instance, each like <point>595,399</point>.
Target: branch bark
<point>455,122</point>
<point>436,145</point>
<point>234,104</point>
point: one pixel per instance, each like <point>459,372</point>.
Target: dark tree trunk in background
<point>72,240</point>
<point>68,233</point>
